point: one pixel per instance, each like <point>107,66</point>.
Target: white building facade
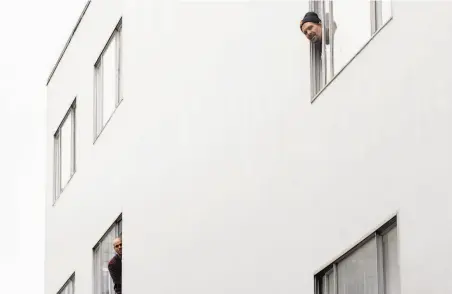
<point>232,157</point>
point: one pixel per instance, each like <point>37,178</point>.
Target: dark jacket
<point>115,269</point>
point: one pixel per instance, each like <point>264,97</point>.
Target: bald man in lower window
<point>115,266</point>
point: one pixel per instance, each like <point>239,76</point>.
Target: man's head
<point>117,245</point>
<point>311,26</point>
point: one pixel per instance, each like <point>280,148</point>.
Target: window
<point>64,152</point>
<point>68,287</point>
<point>103,253</point>
<point>371,267</point>
<point>344,35</point>
<point>107,82</point>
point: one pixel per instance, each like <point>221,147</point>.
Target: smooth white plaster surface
<point>228,178</point>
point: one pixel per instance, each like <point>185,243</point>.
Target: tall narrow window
<point>372,267</point>
<point>343,35</point>
<point>103,253</point>
<point>317,54</point>
<point>68,287</point>
<point>64,152</point>
<point>107,82</point>
<point>322,53</point>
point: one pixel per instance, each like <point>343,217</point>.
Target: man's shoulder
<point>114,260</point>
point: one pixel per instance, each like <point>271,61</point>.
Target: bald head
<point>117,245</point>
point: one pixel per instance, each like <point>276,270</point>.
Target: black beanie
<point>310,17</point>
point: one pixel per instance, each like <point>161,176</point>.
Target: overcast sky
<point>33,33</point>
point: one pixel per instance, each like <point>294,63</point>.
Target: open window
<point>347,27</point>
<point>103,254</point>
<point>371,267</point>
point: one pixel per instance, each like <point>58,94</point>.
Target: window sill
<point>64,189</point>
<point>106,123</point>
<point>353,58</point>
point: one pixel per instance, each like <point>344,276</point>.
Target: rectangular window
<point>107,82</point>
<point>103,253</point>
<point>64,152</point>
<point>343,35</point>
<point>68,287</point>
<point>371,267</point>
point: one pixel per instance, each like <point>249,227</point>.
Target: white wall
<point>378,141</point>
<point>86,208</point>
<point>228,178</point>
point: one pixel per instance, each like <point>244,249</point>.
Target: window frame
<point>377,236</point>
<point>68,281</point>
<point>319,79</point>
<point>99,123</point>
<point>58,188</point>
<point>117,226</point>
<point>376,14</point>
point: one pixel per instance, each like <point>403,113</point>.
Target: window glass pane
<point>98,101</point>
<point>390,262</point>
<point>109,80</point>
<point>103,268</point>
<point>119,64</point>
<point>97,270</point>
<point>105,260</point>
<point>120,228</point>
<point>66,146</point>
<point>386,10</point>
<point>353,29</point>
<point>70,288</point>
<point>331,283</point>
<point>103,254</point>
<point>57,165</point>
<point>111,253</point>
<point>357,273</point>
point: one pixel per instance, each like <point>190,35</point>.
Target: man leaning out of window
<point>311,26</point>
<point>115,266</point>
